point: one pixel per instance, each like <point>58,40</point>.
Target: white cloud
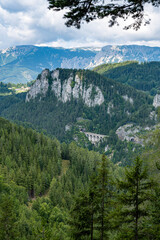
<point>22,5</point>
<point>30,22</point>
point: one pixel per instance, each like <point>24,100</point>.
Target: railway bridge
<point>94,137</point>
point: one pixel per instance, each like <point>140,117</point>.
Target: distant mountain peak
<point>33,59</point>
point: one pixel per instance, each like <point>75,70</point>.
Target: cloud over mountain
<point>30,22</point>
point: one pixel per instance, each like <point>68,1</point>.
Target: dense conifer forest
<point>143,76</point>
<point>57,191</point>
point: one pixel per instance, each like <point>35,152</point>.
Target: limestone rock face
<point>39,87</point>
<point>129,133</point>
<point>56,85</point>
<point>77,89</point>
<point>156,101</point>
<point>65,90</point>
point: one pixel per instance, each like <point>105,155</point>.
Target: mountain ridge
<point>21,64</point>
<point>142,76</point>
<point>59,98</point>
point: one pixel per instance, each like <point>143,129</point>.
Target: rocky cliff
<point>156,101</point>
<point>72,87</point>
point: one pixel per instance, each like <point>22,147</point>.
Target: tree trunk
<point>137,211</point>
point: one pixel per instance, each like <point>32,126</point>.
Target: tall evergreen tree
<point>133,199</point>
<point>81,218</point>
<point>91,208</point>
<point>103,196</point>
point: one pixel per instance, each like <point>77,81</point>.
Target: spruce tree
<point>103,197</point>
<point>133,200</point>
<point>81,217</point>
<point>91,208</point>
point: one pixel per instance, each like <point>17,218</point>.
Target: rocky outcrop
<point>39,87</point>
<point>156,101</point>
<point>153,116</point>
<point>65,90</point>
<point>129,132</point>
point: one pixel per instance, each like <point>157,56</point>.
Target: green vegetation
<point>122,105</point>
<point>52,115</point>
<point>144,76</point>
<point>57,191</point>
<point>101,69</point>
<point>4,89</point>
<point>20,87</point>
<point>79,12</point>
<point>11,88</point>
<point>133,200</point>
<point>39,178</point>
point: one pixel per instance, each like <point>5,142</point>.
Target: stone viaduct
<point>94,138</point>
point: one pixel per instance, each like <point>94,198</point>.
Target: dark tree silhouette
<point>79,11</point>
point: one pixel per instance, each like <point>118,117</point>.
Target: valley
<point>72,138</point>
<point>68,104</point>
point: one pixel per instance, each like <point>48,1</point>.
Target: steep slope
<point>63,101</point>
<point>23,63</point>
<point>32,160</point>
<point>22,154</point>
<point>144,76</point>
<point>38,180</point>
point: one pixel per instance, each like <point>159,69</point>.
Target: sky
<point>30,22</point>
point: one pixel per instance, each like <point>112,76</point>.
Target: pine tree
<point>155,213</point>
<point>133,199</point>
<point>91,208</point>
<point>81,217</point>
<point>104,196</point>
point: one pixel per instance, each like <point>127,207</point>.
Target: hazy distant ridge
<point>23,63</point>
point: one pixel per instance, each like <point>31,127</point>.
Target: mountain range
<point>21,64</point>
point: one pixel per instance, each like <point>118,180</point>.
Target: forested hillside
<point>33,166</point>
<point>66,103</point>
<point>107,105</point>
<point>143,76</point>
<point>56,191</point>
